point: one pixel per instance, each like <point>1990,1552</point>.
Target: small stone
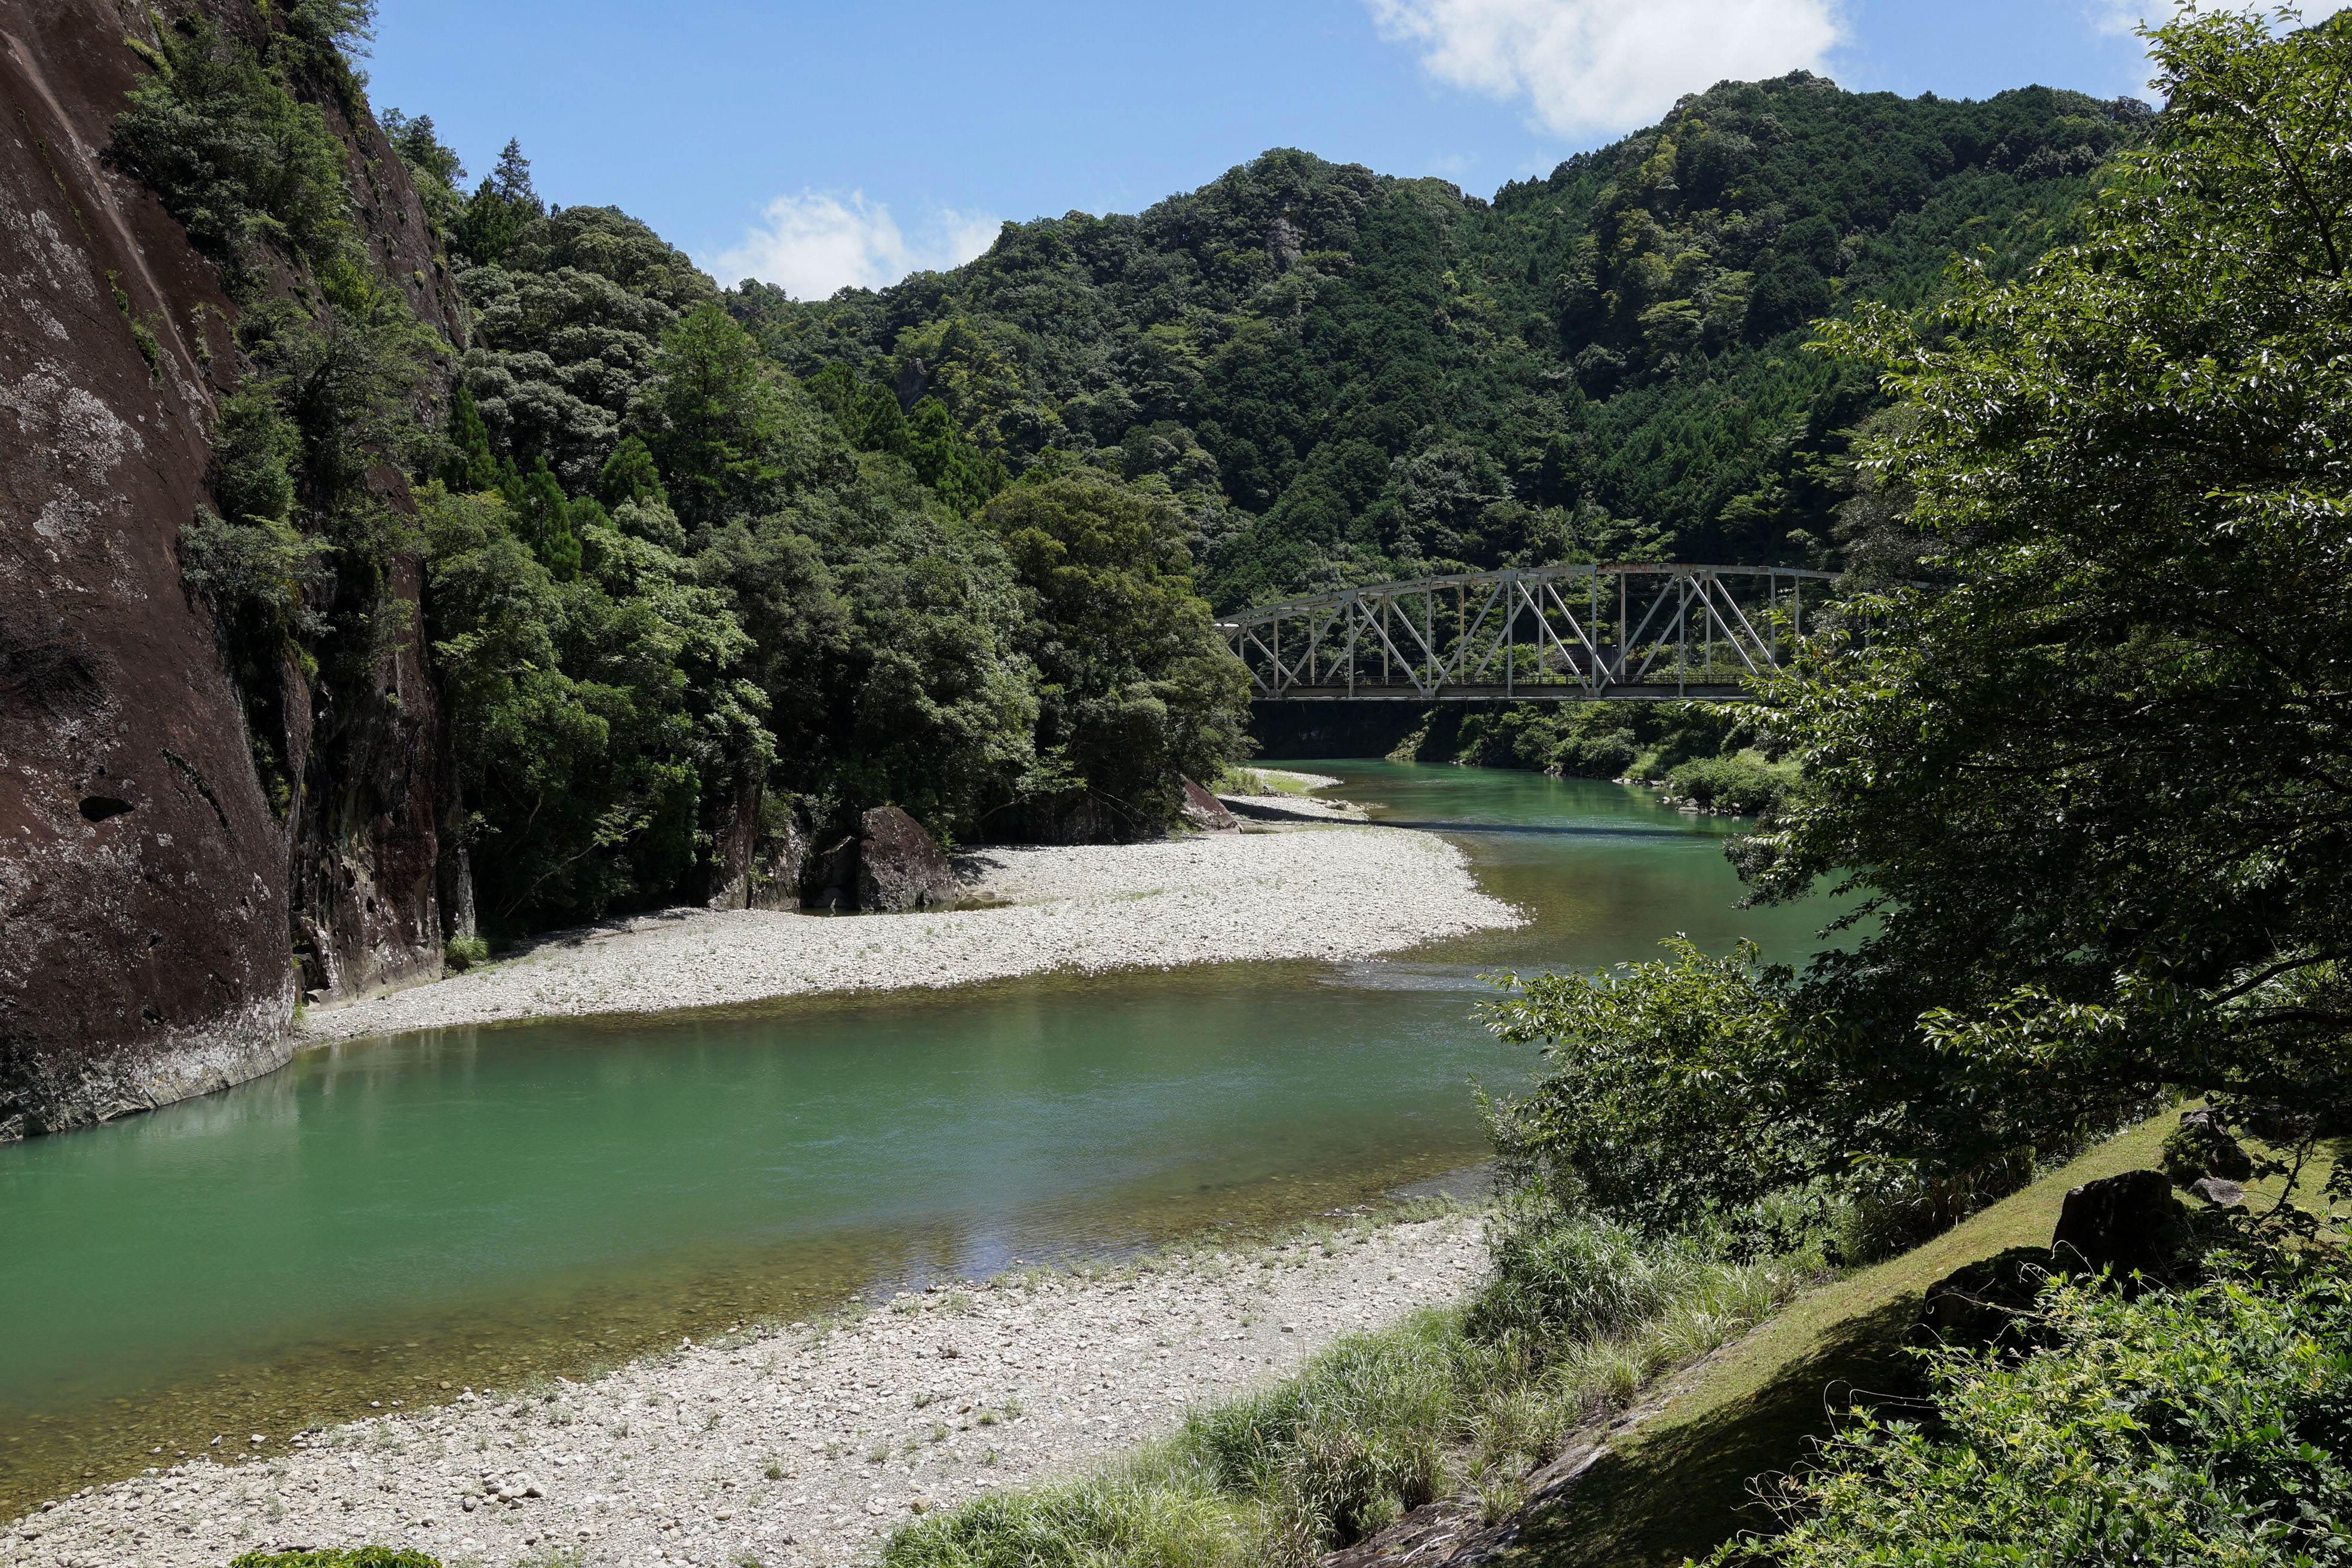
<point>2219,1191</point>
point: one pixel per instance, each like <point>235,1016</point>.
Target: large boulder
<point>829,873</point>
<point>2123,1226</point>
<point>898,866</point>
<point>1988,1304</point>
<point>1203,810</point>
<point>780,862</point>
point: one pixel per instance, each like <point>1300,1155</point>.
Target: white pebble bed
<point>808,1447</point>
<point>1339,891</point>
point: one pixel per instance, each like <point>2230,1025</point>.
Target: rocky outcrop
<point>149,890</point>
<point>1203,810</point>
<point>900,866</point>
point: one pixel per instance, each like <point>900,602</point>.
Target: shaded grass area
<point>1577,1319</point>
<point>1680,1485</point>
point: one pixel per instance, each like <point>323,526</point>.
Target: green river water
<point>387,1218</point>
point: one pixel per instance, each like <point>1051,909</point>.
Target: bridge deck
<point>1521,691</point>
<point>1623,631</point>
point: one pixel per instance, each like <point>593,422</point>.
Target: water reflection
<point>478,1206</point>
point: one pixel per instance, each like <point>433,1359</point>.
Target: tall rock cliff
<point>159,913</point>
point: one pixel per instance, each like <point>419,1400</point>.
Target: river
<point>386,1219</point>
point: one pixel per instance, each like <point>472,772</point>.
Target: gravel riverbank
<point>1320,884</point>
<point>804,1446</point>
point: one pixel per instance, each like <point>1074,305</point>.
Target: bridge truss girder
<point>1533,634</point>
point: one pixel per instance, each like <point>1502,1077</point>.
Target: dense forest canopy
<point>1342,377</point>
<point>697,558</point>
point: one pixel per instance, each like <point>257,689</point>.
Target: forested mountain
<point>705,563</point>
<point>1343,376</point>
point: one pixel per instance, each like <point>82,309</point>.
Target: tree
<point>731,436</point>
<point>2092,799</point>
<point>499,208</point>
<point>1139,686</point>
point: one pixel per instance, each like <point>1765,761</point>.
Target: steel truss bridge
<point>1561,634</point>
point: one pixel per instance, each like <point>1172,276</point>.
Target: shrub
<point>1577,1318</point>
<point>462,953</point>
<point>1733,784</point>
<point>1607,755</point>
<point>2213,1426</point>
<point>257,570</point>
<point>234,155</point>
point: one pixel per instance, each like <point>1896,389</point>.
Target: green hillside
<point>1343,375</point>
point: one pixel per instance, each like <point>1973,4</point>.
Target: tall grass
<point>1576,1317</point>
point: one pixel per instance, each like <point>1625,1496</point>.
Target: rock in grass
<point>1989,1303</point>
<point>2123,1226</point>
<point>2219,1191</point>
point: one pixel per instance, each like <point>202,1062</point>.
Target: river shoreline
<point>802,1444</point>
<point>1308,879</point>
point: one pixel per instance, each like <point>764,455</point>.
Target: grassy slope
<point>1680,1484</point>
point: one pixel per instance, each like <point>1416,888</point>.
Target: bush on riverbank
<point>1577,1317</point>
<point>1707,752</point>
<point>2209,1426</point>
<point>1738,786</point>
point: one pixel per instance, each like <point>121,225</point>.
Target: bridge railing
<point>1585,633</point>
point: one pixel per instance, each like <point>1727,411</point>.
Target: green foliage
<point>1583,740</point>
<point>2087,794</point>
<point>1667,1104</point>
<point>433,168</point>
<point>730,435</point>
<point>1738,786</point>
<point>495,216</point>
<point>256,450</point>
<point>333,1557</point>
<point>1342,377</point>
<point>943,456</point>
<point>630,474</point>
<point>2203,1426</point>
<point>346,375</point>
<point>589,716</point>
<point>1577,1319</point>
<point>1138,684</point>
<point>539,511</point>
<point>570,314</point>
<point>254,574</point>
<point>467,462</point>
<point>236,157</point>
<point>888,653</point>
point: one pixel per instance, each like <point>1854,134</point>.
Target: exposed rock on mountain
<point>149,885</point>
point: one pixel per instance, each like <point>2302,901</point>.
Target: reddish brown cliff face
<point>151,899</point>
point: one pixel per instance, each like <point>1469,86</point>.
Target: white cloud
<point>1590,66</point>
<point>814,243</point>
<point>2117,18</point>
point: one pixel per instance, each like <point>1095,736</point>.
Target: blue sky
<point>818,145</point>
